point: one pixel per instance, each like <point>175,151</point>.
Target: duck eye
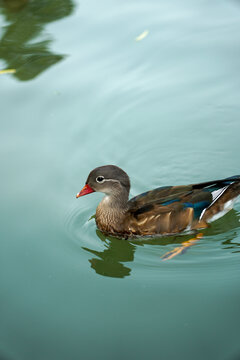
<point>100,179</point>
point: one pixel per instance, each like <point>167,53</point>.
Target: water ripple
<point>113,257</point>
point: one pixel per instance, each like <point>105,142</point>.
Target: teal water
<point>166,110</point>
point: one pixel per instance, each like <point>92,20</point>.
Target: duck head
<point>108,179</point>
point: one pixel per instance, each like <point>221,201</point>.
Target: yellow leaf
<point>142,35</point>
<point>7,71</point>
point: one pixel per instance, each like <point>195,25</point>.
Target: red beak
<point>85,190</point>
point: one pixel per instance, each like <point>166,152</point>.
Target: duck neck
<point>115,202</point>
<point>111,212</point>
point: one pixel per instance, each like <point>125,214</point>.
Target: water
<point>166,110</point>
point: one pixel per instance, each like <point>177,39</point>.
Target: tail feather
<point>224,199</point>
<point>217,183</point>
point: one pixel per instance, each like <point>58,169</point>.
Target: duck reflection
<point>26,20</point>
<point>230,223</point>
<point>109,262</point>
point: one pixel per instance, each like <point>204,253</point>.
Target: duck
<point>166,210</point>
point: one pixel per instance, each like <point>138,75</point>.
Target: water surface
<point>166,109</point>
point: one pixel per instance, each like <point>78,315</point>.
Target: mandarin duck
<point>163,211</point>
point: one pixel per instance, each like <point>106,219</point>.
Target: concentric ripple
<point>79,225</point>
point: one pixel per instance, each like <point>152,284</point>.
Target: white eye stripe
<point>103,180</point>
<point>116,181</point>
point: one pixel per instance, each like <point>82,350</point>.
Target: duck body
<point>162,211</point>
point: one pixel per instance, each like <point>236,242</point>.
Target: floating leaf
<point>8,71</point>
<point>142,35</point>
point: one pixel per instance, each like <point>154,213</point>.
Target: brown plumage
<point>165,210</point>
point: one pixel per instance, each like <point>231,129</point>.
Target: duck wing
<point>174,208</point>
